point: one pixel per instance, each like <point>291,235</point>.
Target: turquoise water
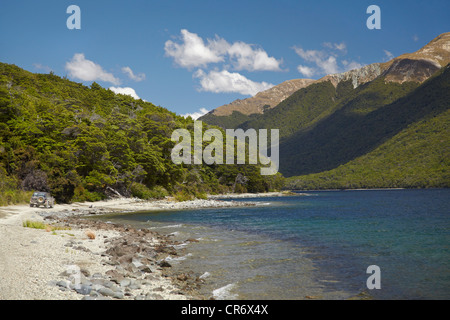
<point>319,244</point>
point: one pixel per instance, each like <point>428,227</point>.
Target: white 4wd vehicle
<point>42,199</point>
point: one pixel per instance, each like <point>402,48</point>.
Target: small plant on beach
<point>41,225</point>
<point>34,224</point>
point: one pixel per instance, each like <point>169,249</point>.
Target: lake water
<point>318,244</point>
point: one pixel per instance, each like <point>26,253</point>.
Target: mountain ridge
<point>270,97</point>
<point>416,66</point>
<point>340,118</point>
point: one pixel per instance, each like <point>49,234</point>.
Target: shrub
<point>141,191</point>
<point>82,195</point>
<point>183,196</point>
<point>35,180</point>
<point>11,197</point>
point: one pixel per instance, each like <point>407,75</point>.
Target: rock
<point>165,264</point>
<point>94,293</point>
<point>125,282</point>
<point>85,272</point>
<point>82,248</point>
<point>125,259</point>
<point>83,289</point>
<point>153,296</point>
<point>145,269</point>
<point>134,285</point>
<point>106,292</point>
<point>115,275</point>
<point>133,257</point>
<point>102,282</point>
<point>63,284</point>
<point>137,263</point>
<point>95,296</point>
<point>182,277</point>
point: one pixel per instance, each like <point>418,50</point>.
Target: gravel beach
<point>87,259</point>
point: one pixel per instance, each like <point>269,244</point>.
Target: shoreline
<point>86,259</point>
<point>89,259</point>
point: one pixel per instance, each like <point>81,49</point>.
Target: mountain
<point>419,65</point>
<point>345,119</point>
<point>239,111</point>
<point>416,67</point>
<point>359,126</point>
<point>270,97</point>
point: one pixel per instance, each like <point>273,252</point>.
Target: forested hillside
<point>85,143</point>
<point>417,157</point>
<point>374,114</point>
<point>355,129</point>
<point>404,144</point>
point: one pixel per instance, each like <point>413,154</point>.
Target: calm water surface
<point>316,244</point>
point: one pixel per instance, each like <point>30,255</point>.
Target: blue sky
<point>188,55</point>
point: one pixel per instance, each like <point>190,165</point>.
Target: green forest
<point>417,157</point>
<point>378,135</point>
<point>87,143</point>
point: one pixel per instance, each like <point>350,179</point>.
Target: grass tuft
<point>41,225</point>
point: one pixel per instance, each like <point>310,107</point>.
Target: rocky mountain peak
<point>270,97</point>
<point>417,66</point>
<point>357,76</point>
<point>420,65</point>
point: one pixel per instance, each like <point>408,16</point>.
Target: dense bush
<point>85,143</point>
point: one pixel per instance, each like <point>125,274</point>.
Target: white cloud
<point>132,76</point>
<point>351,65</point>
<point>329,65</point>
<point>225,81</point>
<point>325,62</point>
<point>306,71</point>
<point>86,70</point>
<point>196,115</point>
<point>340,46</point>
<point>127,90</point>
<point>388,55</point>
<point>193,51</point>
<point>415,38</point>
<point>247,57</point>
<point>310,55</point>
<point>39,66</point>
<point>336,46</point>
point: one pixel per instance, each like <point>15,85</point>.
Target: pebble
<point>132,257</point>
